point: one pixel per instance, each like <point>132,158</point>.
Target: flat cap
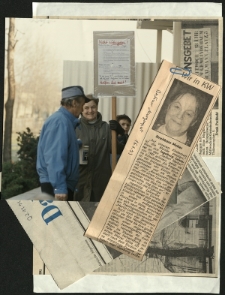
<point>72,91</point>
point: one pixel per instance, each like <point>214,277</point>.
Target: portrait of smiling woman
<point>182,112</point>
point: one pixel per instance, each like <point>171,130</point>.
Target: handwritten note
<point>114,62</point>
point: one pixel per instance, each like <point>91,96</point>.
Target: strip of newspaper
<point>156,154</point>
<point>188,247</point>
<point>186,239</point>
<point>57,232</point>
<point>200,52</point>
<point>196,186</point>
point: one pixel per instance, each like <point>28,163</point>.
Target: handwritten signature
<point>133,147</point>
<point>23,209</point>
<point>145,119</point>
<point>155,97</point>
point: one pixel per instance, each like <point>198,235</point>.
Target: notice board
<point>114,63</point>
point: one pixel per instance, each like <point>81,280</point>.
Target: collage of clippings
<point>158,219</point>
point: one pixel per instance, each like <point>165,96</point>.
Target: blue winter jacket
<point>58,152</point>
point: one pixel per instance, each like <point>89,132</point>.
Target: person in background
<point>58,148</point>
<point>95,133</point>
<point>125,123</point>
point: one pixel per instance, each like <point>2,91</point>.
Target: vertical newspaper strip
<point>196,51</point>
<point>200,53</point>
<point>157,152</point>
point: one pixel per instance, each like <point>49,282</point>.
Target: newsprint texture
<point>186,239</point>
<point>56,230</point>
<point>60,248</point>
<point>196,232</point>
<point>187,247</point>
<point>196,186</point>
<point>155,156</point>
<point>200,53</point>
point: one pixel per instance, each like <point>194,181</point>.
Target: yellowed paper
<point>154,158</point>
<point>133,283</point>
<point>188,247</point>
<point>186,233</point>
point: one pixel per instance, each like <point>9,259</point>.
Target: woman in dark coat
<point>95,133</point>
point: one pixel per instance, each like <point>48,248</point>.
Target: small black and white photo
<point>182,112</point>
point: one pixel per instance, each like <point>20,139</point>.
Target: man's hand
<point>61,197</point>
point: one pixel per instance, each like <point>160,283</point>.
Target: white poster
<point>113,61</point>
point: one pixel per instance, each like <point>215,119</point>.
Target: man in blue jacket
<point>58,149</point>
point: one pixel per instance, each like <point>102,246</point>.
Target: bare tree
<point>39,80</point>
<point>11,92</point>
<point>32,79</point>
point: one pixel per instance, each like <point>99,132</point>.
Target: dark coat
<point>94,177</point>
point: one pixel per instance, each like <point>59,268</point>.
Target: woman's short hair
<point>123,117</point>
<point>93,98</point>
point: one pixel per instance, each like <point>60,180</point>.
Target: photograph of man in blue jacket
<point>58,148</point>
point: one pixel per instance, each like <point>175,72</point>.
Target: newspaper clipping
<point>172,247</point>
<point>193,189</point>
<point>56,230</point>
<point>157,152</point>
<point>200,53</point>
<point>162,204</point>
<point>186,238</point>
<point>188,247</point>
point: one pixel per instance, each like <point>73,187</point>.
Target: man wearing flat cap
<point>58,148</point>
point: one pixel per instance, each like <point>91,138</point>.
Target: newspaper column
<point>199,51</point>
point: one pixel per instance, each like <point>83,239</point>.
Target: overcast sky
<point>73,39</point>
